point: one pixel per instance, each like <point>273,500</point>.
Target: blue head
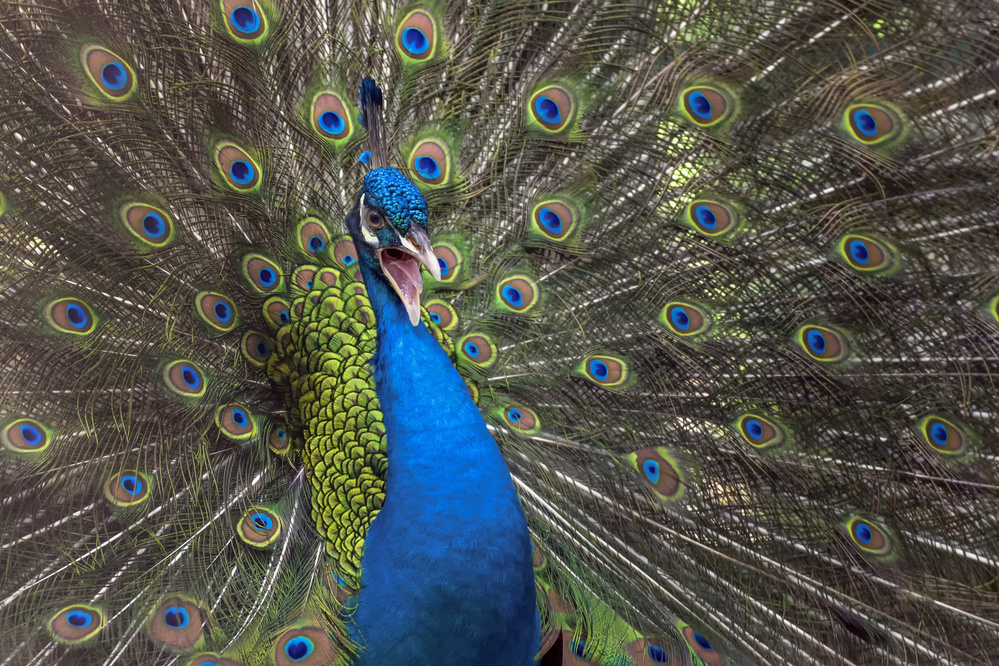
<point>389,228</point>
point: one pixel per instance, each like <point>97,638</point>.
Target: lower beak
<point>401,265</point>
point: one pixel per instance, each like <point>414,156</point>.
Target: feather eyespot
<point>127,488</point>
<point>304,279</point>
<point>244,21</point>
<point>278,440</point>
<point>212,659</point>
<point>700,647</point>
<point>430,162</point>
<point>239,171</point>
<point>870,538</point>
<point>184,378</point>
<point>759,432</point>
<point>151,225</point>
<point>822,343</point>
<point>417,35</point>
<point>706,105</point>
<point>313,239</point>
<point>262,274</point>
<point>306,646</point>
<point>77,624</point>
<point>711,218</point>
<point>346,254</point>
<point>70,315</point>
<point>25,436</point>
<point>865,254</point>
<point>660,471</point>
<point>113,77</point>
<point>277,312</point>
<point>648,652</point>
<point>331,118</point>
<point>944,436</point>
<point>871,123</point>
<point>554,219</point>
<point>685,319</point>
<point>478,349</point>
<point>442,314</point>
<point>177,623</point>
<point>256,347</point>
<point>552,108</point>
<point>606,371</point>
<point>517,293</point>
<point>520,418</point>
<point>216,310</point>
<point>448,260</point>
<point>259,528</point>
<point>236,422</point>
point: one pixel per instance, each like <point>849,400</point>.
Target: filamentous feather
<point>718,280</point>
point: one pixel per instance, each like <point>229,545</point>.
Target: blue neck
<point>446,574</point>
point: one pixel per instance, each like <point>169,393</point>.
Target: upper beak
<point>405,279</point>
<point>417,243</point>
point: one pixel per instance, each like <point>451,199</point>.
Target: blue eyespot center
<point>223,312</point>
<point>331,122</point>
<point>267,277</point>
<point>415,41</point>
<point>77,316</point>
<point>651,468</point>
<point>132,484</point>
<point>858,250</point>
<point>245,19</point>
<point>241,171</point>
<point>472,349</point>
<point>513,296</point>
<point>679,318</point>
<point>298,648</point>
<point>316,244</point>
<point>176,617</point>
<point>702,641</point>
<point>285,317</point>
<point>190,377</point>
<point>657,654</point>
<point>865,122</point>
<point>434,317</point>
<point>939,435</point>
<point>514,415</point>
<point>548,110</point>
<point>700,105</point>
<point>239,417</point>
<point>154,225</point>
<point>348,259</point>
<point>113,76</point>
<point>30,434</point>
<point>445,269</point>
<point>705,217</point>
<point>598,369</point>
<point>79,619</point>
<point>579,648</point>
<point>863,532</point>
<point>427,167</point>
<point>263,349</point>
<point>550,220</point>
<point>262,521</point>
<point>817,342</point>
<point>309,284</point>
<point>282,435</point>
<point>754,429</point>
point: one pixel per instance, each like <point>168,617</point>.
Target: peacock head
<point>389,228</point>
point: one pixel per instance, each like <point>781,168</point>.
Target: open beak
<point>401,265</point>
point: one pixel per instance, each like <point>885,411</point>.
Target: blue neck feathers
<point>446,576</point>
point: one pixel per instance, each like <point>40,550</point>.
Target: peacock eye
<point>374,219</point>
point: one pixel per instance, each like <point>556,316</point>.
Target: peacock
<point>499,333</point>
